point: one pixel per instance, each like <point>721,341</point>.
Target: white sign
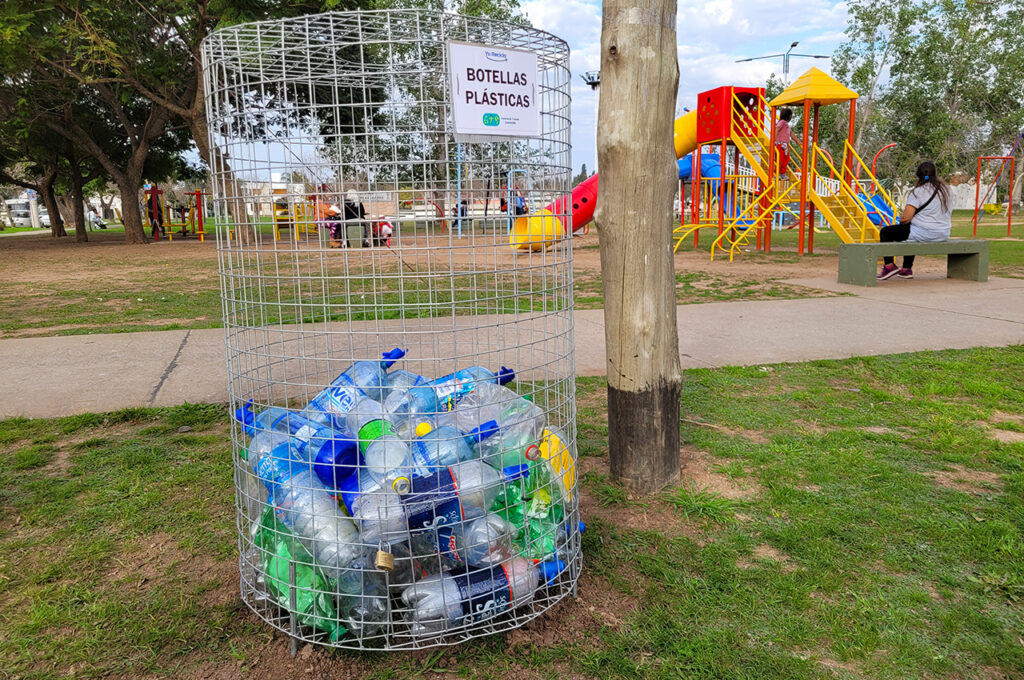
<point>494,91</point>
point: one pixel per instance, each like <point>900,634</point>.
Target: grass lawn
<point>856,518</point>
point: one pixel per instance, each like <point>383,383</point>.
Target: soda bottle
<point>446,445</point>
<point>387,457</point>
<point>520,420</point>
<point>361,379</point>
<point>456,493</point>
<point>445,601</point>
<point>552,472</point>
<point>409,407</point>
<point>314,599</point>
<point>450,496</point>
<point>483,542</point>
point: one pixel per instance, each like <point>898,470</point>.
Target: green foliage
<point>940,78</point>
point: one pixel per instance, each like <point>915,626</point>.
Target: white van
<point>20,210</point>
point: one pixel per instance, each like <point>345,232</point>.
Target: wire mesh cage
<point>400,366</point>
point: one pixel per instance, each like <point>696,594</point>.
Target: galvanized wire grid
<point>301,113</point>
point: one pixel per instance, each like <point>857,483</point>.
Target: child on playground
<point>783,135</point>
<point>927,218</point>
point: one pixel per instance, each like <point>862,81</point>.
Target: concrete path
<point>56,376</point>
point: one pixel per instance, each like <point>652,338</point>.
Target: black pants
<point>896,232</point>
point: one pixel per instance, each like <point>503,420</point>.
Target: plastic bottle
<point>312,441</point>
<point>363,378</point>
<point>401,379</point>
<point>450,496</point>
<point>314,601</point>
<point>483,542</point>
<point>305,506</point>
<point>455,494</point>
<point>387,457</point>
<point>552,472</point>
<point>446,445</point>
<point>521,422</point>
<point>409,407</point>
<point>443,601</point>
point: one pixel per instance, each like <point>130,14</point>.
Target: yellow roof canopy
<point>815,87</point>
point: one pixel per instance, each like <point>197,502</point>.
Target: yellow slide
<point>543,228</point>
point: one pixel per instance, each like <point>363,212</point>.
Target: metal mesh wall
<point>349,222</point>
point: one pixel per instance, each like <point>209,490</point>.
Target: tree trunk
<point>639,76</point>
<point>50,201</point>
<point>131,213</point>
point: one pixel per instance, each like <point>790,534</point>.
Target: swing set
<point>982,206</point>
<point>155,205</point>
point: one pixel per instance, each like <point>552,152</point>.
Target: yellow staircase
<point>834,198</point>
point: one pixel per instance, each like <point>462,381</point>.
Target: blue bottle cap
<point>484,430</point>
<point>551,570</point>
<point>506,375</point>
<point>583,527</point>
<point>336,459</point>
<point>247,418</point>
<point>391,356</point>
<point>514,472</point>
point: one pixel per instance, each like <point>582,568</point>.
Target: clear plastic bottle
<point>302,502</point>
<point>444,601</point>
<point>401,379</point>
<point>387,457</point>
<point>483,542</point>
<point>361,379</point>
<point>447,445</point>
<point>311,441</point>
<point>452,495</point>
<point>409,407</point>
<point>521,422</point>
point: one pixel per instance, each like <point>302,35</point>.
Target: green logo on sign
<point>492,119</point>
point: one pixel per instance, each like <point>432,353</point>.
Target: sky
<point>711,36</point>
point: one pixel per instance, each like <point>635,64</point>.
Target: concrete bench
<point>965,258</point>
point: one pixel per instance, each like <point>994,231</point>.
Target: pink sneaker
<point>905,273</point>
<point>888,271</point>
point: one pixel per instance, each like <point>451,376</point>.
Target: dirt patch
<point>1006,436</point>
<point>974,482</point>
<point>764,552</point>
<point>843,669</point>
<point>698,471</point>
<point>1001,417</point>
<point>879,429</point>
<point>636,514</point>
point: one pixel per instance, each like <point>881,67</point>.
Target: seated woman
<point>927,218</point>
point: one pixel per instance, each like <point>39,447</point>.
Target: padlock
<point>384,561</point>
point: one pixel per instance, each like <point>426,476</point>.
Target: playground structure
<point>982,205</point>
<point>193,222</point>
<point>743,196</point>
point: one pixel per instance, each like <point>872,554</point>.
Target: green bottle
<point>314,600</point>
<point>552,473</point>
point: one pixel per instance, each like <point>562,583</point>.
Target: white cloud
<point>711,36</point>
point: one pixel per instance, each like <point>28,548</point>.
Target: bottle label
<point>484,593</point>
<point>339,397</point>
<point>304,433</point>
<point>448,544</point>
<point>373,430</point>
<point>433,501</point>
<point>273,471</point>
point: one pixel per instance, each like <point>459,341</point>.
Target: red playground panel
<point>715,117</point>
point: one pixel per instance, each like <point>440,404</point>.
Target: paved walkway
<point>45,377</point>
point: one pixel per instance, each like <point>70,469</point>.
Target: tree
<point>942,79</point>
<point>634,221</point>
<point>582,176</point>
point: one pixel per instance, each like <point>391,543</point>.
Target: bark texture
<point>639,78</point>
